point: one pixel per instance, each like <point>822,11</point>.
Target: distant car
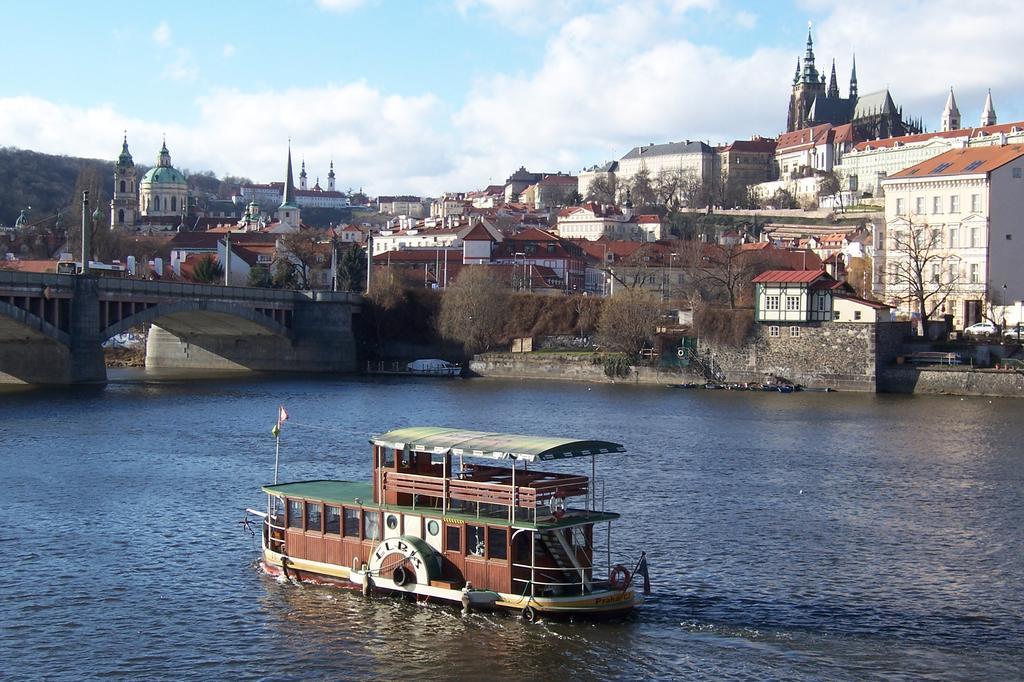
<point>980,329</point>
<point>1015,332</point>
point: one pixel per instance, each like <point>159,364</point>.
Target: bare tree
<point>386,295</point>
<point>603,190</point>
<point>305,249</point>
<point>474,309</point>
<point>628,319</point>
<point>920,271</point>
<point>723,270</point>
<point>641,186</point>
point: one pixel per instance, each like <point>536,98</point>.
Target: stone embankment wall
<point>570,367</point>
<point>838,355</point>
<point>952,381</point>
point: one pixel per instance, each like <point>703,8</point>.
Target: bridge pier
<point>87,364</point>
<point>322,341</point>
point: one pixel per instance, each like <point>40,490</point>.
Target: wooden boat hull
<point>603,602</point>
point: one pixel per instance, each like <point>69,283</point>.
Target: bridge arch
<point>33,322</point>
<point>204,317</point>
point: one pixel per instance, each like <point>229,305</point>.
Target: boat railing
<point>582,583</point>
<point>537,493</point>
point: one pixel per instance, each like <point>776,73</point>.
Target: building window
<point>332,516</point>
<point>453,539</point>
<point>497,540</point>
<point>899,207</point>
<point>295,513</point>
<point>954,204</point>
<point>475,541</point>
<point>975,279</point>
<point>773,330</point>
<point>856,314</point>
<point>953,238</point>
<point>771,303</point>
<point>936,272</point>
<point>792,303</point>
<point>936,204</point>
<point>1016,172</point>
<point>975,203</point>
<point>313,517</point>
<point>975,241</point>
<point>174,204</point>
<point>123,184</point>
<point>794,332</point>
<point>919,206</point>
<point>835,315</point>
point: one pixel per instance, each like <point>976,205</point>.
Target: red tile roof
<point>921,137</point>
<point>789,276</point>
<point>969,161</point>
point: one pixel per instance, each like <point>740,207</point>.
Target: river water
<point>804,536</point>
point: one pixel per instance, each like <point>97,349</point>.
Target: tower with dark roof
<point>288,211</point>
<point>125,204</point>
<point>806,87</point>
<point>330,178</point>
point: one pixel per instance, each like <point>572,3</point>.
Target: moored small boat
<point>478,534</point>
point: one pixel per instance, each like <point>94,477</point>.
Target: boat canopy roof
<point>488,445</point>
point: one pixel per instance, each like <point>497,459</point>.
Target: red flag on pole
<point>282,416</point>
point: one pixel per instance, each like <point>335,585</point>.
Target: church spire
<point>288,198</point>
<point>796,76</point>
<point>330,178</point>
<point>988,113</point>
<point>164,158</point>
<point>810,74</point>
<point>833,86</point>
<point>853,79</point>
<point>302,176</point>
<point>950,115</point>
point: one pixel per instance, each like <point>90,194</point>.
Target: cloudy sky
<point>425,96</point>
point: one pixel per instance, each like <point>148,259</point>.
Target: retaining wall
<point>952,381</point>
<point>570,367</point>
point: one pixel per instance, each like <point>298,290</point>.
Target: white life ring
<point>557,504</point>
<point>681,352</point>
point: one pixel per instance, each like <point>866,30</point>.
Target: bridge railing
<point>151,288</point>
<point>15,278</point>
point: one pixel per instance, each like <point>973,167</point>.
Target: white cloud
<point>162,34</point>
<point>182,67</point>
<point>745,19</point>
<point>340,6</point>
<point>228,51</point>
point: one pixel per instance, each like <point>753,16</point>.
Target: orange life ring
<point>618,577</point>
<point>557,504</point>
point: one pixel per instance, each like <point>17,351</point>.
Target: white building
<point>693,159</point>
<point>967,206</point>
<point>592,222</point>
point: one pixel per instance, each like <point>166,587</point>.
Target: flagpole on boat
<point>282,417</point>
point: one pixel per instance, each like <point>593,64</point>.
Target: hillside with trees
<point>46,182</point>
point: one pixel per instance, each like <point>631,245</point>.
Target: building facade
<point>956,218</point>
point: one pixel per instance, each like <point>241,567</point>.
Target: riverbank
<point>570,366</point>
<point>941,380</point>
<point>587,367</point>
<point>125,357</point>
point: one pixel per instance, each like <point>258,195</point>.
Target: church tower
<point>833,86</point>
<point>330,178</point>
<point>288,211</point>
<point>302,177</point>
<point>853,81</point>
<point>988,113</point>
<point>805,88</point>
<point>125,204</point>
<point>950,115</point>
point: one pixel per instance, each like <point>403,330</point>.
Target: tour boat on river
<point>489,533</point>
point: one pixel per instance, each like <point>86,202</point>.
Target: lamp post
<point>671,257</point>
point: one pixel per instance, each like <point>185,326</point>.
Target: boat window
<point>351,523</point>
<point>371,526</point>
<point>453,539</point>
<point>295,513</point>
<point>475,540</point>
<point>313,516</point>
<point>333,517</point>
<point>277,511</point>
<point>389,458</point>
<point>497,539</point>
<point>433,528</point>
<point>392,521</point>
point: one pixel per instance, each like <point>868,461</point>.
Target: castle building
<point>815,101</point>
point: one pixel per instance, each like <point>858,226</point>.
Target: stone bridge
<point>52,327</point>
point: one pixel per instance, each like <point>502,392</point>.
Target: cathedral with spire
<point>815,100</point>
